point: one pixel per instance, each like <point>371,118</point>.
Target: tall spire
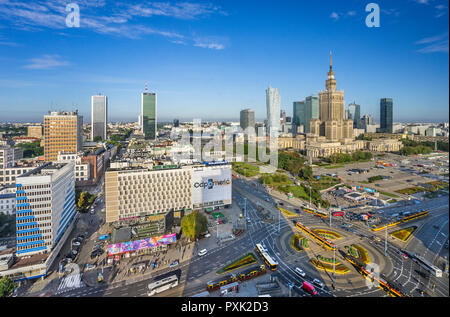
<point>331,63</point>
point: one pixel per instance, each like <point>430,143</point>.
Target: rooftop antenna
<point>146,87</point>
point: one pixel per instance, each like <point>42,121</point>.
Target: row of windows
<point>34,239</point>
<point>20,221</point>
<point>34,246</point>
<point>34,200</point>
<point>35,213</point>
<point>34,193</point>
<point>15,171</point>
<point>25,187</point>
<point>34,206</point>
<point>36,232</point>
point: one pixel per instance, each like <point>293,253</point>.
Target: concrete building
<point>366,120</point>
<point>247,119</point>
<point>62,133</point>
<point>273,101</point>
<point>148,114</point>
<point>45,206</point>
<point>99,116</point>
<point>81,169</point>
<point>138,192</point>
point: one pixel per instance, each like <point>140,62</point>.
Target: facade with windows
<point>82,170</point>
<point>99,115</point>
<point>148,114</point>
<point>7,200</point>
<point>386,115</point>
<point>134,192</point>
<point>45,207</point>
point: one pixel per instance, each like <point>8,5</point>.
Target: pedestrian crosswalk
<point>70,282</point>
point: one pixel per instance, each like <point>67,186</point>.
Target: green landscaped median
<point>388,194</point>
<point>244,260</point>
<point>246,169</point>
<point>404,234</point>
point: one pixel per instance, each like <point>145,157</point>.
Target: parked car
<point>202,252</point>
<point>174,263</point>
<point>76,243</point>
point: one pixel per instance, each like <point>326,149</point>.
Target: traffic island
<point>296,242</point>
<point>332,235</point>
<point>358,252</point>
<point>241,262</point>
<point>404,234</point>
<point>326,264</point>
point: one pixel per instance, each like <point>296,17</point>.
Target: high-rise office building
<point>355,111</point>
<point>247,118</point>
<point>273,101</point>
<point>148,113</point>
<point>305,111</point>
<point>62,133</point>
<point>45,207</point>
<point>176,123</point>
<point>332,123</point>
<point>99,116</point>
<point>386,115</point>
<point>366,120</point>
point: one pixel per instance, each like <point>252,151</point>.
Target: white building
<point>8,200</point>
<point>81,169</point>
<point>273,101</point>
<point>138,192</point>
<point>45,207</point>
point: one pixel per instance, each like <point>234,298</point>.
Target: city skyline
<point>214,64</point>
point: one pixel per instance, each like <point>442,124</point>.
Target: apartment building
<point>45,206</point>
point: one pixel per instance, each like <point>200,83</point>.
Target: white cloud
<point>334,15</point>
<point>45,62</point>
<point>434,44</point>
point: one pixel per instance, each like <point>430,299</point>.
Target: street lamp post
<point>385,243</point>
<point>334,265</point>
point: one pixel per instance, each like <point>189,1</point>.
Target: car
<point>94,254</point>
<point>90,266</point>
<point>436,227</point>
<point>74,252</point>
<point>300,272</point>
<point>207,235</point>
<point>248,220</point>
<point>281,204</point>
<point>202,252</point>
<point>174,263</point>
<point>76,243</point>
<point>318,283</point>
<point>404,255</point>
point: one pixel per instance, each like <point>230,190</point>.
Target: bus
<point>319,239</point>
<point>162,285</point>
<point>427,265</point>
<point>262,251</point>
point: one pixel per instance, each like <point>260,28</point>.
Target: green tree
<point>98,139</point>
<point>194,224</point>
<point>306,173</point>
<point>7,286</point>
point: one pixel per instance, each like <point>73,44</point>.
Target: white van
<point>202,252</point>
<point>300,272</point>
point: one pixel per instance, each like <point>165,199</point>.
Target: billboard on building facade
<point>130,246</point>
<point>211,184</point>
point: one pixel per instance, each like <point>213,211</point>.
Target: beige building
<point>62,133</point>
<point>35,131</point>
<point>332,123</point>
<point>384,145</point>
<point>297,143</point>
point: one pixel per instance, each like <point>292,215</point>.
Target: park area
<point>404,234</point>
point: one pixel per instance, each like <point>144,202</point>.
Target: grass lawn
<point>388,194</point>
<point>330,167</point>
<point>275,180</point>
<point>246,169</point>
<point>410,190</point>
<point>325,182</point>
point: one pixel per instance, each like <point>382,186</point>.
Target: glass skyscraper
<point>148,111</point>
<point>304,111</point>
<point>247,119</point>
<point>386,115</point>
<point>355,111</point>
<point>99,115</point>
<point>273,101</point>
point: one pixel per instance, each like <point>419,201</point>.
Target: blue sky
<point>210,59</point>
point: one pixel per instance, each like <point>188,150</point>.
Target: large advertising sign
<point>210,184</point>
<point>130,246</point>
